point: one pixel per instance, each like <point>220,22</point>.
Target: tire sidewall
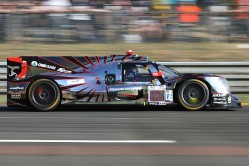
<point>57,99</point>
<point>180,94</point>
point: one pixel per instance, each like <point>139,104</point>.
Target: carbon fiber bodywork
<point>105,80</point>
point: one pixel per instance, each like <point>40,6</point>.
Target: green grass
<point>3,99</point>
<point>179,51</point>
<point>244,98</point>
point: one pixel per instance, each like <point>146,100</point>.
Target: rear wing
<point>16,68</point>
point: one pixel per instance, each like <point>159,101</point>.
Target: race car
<point>48,82</point>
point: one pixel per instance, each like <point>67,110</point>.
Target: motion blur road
<point>202,138</point>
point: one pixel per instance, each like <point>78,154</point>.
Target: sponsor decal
<point>219,95</point>
<point>157,103</point>
<point>123,89</point>
<point>157,74</point>
<point>12,73</point>
<point>63,70</point>
<point>16,88</point>
<point>161,87</point>
<point>36,64</point>
<point>169,96</point>
<point>129,82</point>
<point>162,103</point>
<point>76,81</point>
<point>157,95</point>
<point>219,102</point>
<point>220,99</point>
<point>152,103</point>
<point>16,96</point>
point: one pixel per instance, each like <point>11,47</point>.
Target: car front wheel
<point>193,94</point>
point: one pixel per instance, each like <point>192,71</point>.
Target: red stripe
<point>105,59</point>
<point>98,60</point>
<point>103,97</point>
<point>125,58</point>
<point>60,77</point>
<point>80,62</point>
<point>128,95</point>
<point>86,94</point>
<point>72,86</point>
<point>56,63</point>
<point>90,97</point>
<point>69,61</point>
<point>24,70</point>
<point>89,60</point>
<point>16,59</point>
<point>73,63</point>
<point>113,59</point>
<point>83,89</point>
<point>96,100</point>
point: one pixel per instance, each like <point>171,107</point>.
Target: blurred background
<point>164,30</point>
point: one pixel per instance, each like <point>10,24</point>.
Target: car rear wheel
<point>193,94</point>
<point>44,95</point>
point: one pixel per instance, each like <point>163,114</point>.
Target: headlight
<point>219,84</point>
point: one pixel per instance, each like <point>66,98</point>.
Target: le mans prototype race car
<point>48,82</point>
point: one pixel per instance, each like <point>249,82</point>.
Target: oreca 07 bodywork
<point>48,82</point>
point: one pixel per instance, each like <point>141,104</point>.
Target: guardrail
<point>237,73</point>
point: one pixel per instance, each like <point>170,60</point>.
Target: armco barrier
<point>237,73</point>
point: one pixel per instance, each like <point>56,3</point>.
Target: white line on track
<point>91,141</point>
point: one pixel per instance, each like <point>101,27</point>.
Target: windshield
<point>167,72</point>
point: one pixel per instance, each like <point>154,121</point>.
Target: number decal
<point>157,95</point>
<point>169,96</point>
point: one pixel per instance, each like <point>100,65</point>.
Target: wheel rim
<point>44,94</point>
<point>194,95</point>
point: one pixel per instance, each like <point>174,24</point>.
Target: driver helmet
<point>132,71</point>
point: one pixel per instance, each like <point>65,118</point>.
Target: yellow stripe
<point>244,104</point>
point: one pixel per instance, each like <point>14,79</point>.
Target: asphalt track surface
<point>202,138</point>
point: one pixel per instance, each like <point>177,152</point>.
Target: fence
<point>237,73</point>
<point>133,26</point>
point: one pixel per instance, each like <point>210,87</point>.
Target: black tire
<point>44,95</point>
<point>193,95</point>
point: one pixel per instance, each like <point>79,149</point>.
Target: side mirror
<point>157,74</point>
